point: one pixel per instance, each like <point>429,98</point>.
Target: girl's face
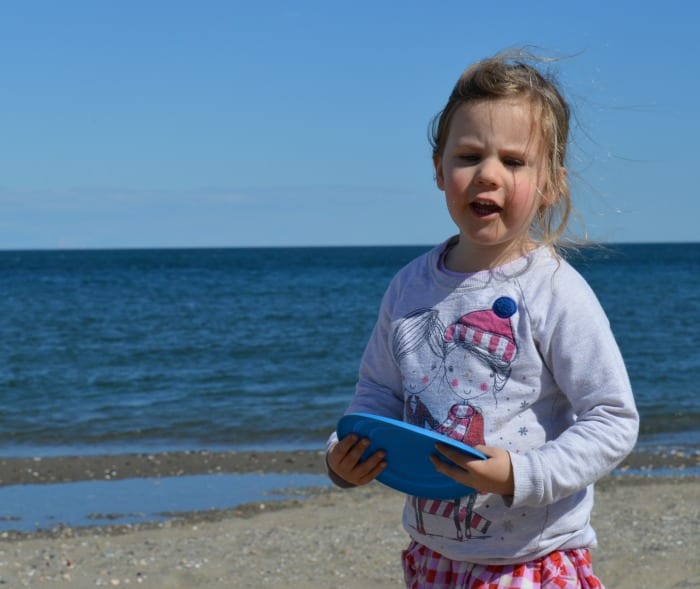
<point>491,171</point>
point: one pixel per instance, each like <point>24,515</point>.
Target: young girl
<point>493,339</point>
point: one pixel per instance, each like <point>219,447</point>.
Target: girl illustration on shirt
<point>486,337</point>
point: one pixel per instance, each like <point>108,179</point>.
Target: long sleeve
<point>578,347</point>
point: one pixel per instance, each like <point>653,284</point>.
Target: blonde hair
<point>506,75</point>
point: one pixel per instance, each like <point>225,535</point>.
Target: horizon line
<point>297,246</point>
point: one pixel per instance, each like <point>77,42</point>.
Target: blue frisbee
<point>408,449</point>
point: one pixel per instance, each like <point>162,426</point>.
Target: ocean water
<point>151,350</point>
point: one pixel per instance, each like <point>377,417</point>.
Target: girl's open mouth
<point>483,208</point>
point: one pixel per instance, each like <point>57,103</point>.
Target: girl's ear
<point>439,178</point>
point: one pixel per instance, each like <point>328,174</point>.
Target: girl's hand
<point>344,460</point>
<point>493,475</point>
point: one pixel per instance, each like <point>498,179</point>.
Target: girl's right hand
<point>344,460</point>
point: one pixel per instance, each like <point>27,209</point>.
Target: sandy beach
<point>324,538</point>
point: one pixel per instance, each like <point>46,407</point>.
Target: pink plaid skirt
<point>426,569</point>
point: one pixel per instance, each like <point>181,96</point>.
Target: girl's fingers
<point>455,456</point>
<point>372,462</point>
<point>493,475</point>
<point>351,448</point>
<point>347,443</point>
<point>457,473</point>
<point>348,463</point>
<point>374,465</point>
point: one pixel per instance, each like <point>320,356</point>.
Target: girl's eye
<point>512,162</point>
<point>469,158</point>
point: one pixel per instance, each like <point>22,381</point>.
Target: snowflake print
<point>523,431</point>
<point>524,405</point>
<point>508,526</point>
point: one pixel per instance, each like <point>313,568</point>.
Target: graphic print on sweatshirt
<point>449,370</point>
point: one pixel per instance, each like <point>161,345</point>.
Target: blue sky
<point>138,123</point>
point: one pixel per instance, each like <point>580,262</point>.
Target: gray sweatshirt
<point>521,357</point>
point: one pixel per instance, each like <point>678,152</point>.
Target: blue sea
<point>159,350</point>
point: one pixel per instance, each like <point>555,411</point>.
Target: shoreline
<point>638,470</point>
<point>321,537</point>
<point>647,527</point>
<point>68,469</point>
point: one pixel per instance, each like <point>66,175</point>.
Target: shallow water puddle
<point>28,508</point>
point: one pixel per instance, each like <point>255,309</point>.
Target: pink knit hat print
<point>489,330</point>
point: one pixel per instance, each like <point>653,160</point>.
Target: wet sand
<point>647,527</point>
<point>61,469</point>
<point>64,469</point>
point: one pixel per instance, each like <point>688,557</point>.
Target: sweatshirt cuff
<point>529,487</point>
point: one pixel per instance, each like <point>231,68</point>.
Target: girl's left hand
<point>493,475</point>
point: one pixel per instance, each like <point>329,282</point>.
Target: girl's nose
<point>487,174</point>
